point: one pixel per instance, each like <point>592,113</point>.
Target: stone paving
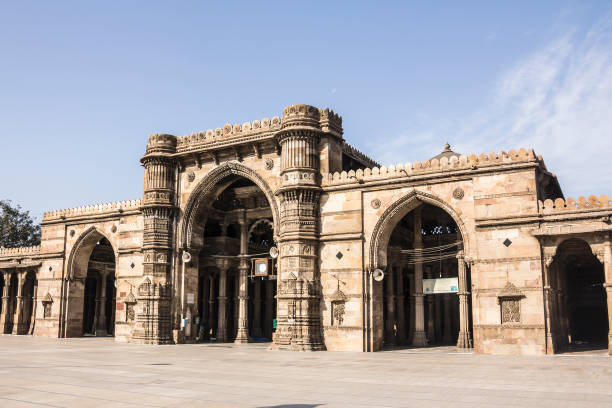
<point>92,372</point>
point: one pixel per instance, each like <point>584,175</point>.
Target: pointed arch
<point>81,250</point>
<point>396,211</point>
<point>209,187</point>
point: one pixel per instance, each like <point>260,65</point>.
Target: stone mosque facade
<point>350,250</point>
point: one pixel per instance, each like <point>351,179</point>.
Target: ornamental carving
<point>375,203</point>
<point>191,176</point>
<point>458,193</point>
<point>269,164</point>
<point>510,310</point>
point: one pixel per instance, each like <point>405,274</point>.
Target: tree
<point>17,228</point>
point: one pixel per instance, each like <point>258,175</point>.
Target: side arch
<point>396,211</point>
<point>81,251</point>
<point>207,190</point>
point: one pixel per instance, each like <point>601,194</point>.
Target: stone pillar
<point>236,303</point>
<point>5,317</point>
<point>18,316</point>
<point>222,334</point>
<point>101,307</point>
<point>419,339</point>
<point>390,334</point>
<point>299,287</point>
<point>465,337</point>
<point>608,285</point>
<point>242,335</point>
<point>448,335</point>
<point>154,320</point>
<point>257,308</point>
<point>401,315</point>
<point>204,304</point>
<point>211,304</point>
<point>269,308</point>
<point>431,322</point>
<point>548,307</point>
<point>411,325</point>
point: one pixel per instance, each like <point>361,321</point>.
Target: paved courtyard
<point>92,372</point>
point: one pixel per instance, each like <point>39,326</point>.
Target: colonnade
<point>19,294</point>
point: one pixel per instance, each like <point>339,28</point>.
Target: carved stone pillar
<point>390,334</point>
<point>465,337</point>
<point>548,306</point>
<point>419,338</point>
<point>299,286</point>
<point>211,304</point>
<point>608,273</point>
<point>222,334</point>
<point>158,207</point>
<point>5,317</point>
<point>18,316</point>
<point>431,322</point>
<point>401,315</point>
<point>411,314</point>
<point>236,303</point>
<point>269,308</point>
<point>101,306</point>
<point>448,335</point>
<point>242,335</point>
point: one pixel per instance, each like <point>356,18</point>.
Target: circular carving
<point>269,164</point>
<point>306,249</point>
<point>114,229</point>
<point>72,233</point>
<point>291,249</point>
<point>191,176</point>
<point>458,193</point>
<point>375,203</point>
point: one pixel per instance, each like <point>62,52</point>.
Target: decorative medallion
<point>458,193</point>
<point>291,249</point>
<point>72,233</point>
<point>191,176</point>
<point>269,164</point>
<point>114,229</point>
<point>306,249</point>
<point>375,203</point>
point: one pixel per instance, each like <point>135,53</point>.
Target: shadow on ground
<point>292,406</point>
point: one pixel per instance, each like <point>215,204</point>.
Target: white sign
<point>440,285</point>
<point>190,299</point>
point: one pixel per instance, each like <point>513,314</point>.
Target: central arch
<point>207,191</point>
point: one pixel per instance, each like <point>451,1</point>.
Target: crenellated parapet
<point>458,162</point>
<point>358,155</point>
<point>90,210</point>
<point>560,205</point>
<point>22,251</point>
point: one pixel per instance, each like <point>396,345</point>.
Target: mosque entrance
<point>99,291</point>
<point>235,304</point>
<point>425,288</point>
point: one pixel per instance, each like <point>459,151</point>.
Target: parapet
<point>561,205</point>
<point>460,162</point>
<point>25,251</point>
<point>107,208</point>
<point>359,156</point>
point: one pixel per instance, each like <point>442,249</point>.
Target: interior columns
<point>419,338</point>
<point>465,338</point>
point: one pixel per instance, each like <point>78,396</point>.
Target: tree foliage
<point>17,228</point>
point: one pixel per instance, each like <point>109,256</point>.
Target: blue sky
<point>83,84</point>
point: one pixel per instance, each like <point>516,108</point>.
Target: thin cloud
<point>556,101</point>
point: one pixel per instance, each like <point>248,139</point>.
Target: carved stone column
<point>242,335</point>
<point>419,338</point>
<point>431,322</point>
<point>211,304</point>
<point>153,325</point>
<point>299,286</point>
<point>411,314</point>
<point>608,273</point>
<point>222,334</point>
<point>401,315</point>
<point>101,306</point>
<point>548,306</point>
<point>448,336</point>
<point>18,317</point>
<point>465,337</point>
<point>5,317</point>
<point>269,308</point>
<point>390,335</point>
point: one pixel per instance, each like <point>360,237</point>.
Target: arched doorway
<point>578,298</point>
<point>230,226</point>
<point>420,290</point>
<point>90,304</point>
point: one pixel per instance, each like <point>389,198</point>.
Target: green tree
<point>17,228</point>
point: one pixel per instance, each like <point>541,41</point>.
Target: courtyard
<point>95,372</point>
